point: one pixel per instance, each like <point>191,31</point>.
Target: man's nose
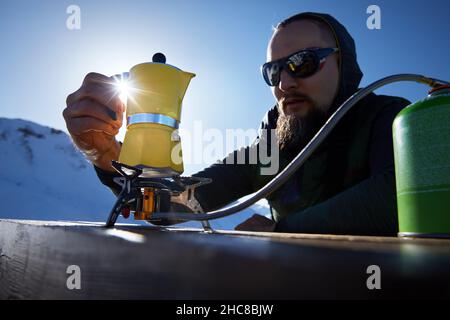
<point>287,82</point>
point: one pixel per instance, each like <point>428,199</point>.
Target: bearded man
<point>347,186</point>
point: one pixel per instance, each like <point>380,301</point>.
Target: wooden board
<point>136,262</point>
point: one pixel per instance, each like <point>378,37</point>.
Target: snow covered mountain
<point>44,177</point>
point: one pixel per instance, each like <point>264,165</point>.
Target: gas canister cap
<point>445,86</point>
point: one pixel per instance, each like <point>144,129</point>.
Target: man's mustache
<point>290,97</point>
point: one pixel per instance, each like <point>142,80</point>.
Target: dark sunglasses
<point>301,64</point>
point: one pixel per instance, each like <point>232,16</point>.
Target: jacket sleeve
<point>368,208</point>
<point>239,174</point>
<point>231,180</point>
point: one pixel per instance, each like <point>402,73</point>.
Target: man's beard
<point>294,132</point>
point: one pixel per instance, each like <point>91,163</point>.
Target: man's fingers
<point>93,109</point>
<point>107,96</point>
<point>99,88</point>
<point>94,77</point>
<point>78,126</point>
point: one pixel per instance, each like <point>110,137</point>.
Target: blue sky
<point>223,42</point>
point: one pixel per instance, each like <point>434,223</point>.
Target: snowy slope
<point>44,177</point>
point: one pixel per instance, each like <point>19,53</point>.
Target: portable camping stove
<point>142,195</point>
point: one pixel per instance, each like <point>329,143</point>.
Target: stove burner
<point>143,195</point>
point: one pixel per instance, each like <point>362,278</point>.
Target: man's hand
<point>257,223</point>
<point>93,117</point>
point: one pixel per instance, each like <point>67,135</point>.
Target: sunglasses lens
<point>303,64</point>
<point>271,73</point>
<point>300,65</point>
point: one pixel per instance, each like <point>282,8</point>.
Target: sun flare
<point>123,89</point>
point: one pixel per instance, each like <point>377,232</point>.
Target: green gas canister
<point>421,135</point>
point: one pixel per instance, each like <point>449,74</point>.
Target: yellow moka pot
<point>155,96</point>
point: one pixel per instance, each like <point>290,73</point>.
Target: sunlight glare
<point>123,89</point>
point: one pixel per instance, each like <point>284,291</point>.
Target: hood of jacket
<point>349,72</point>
